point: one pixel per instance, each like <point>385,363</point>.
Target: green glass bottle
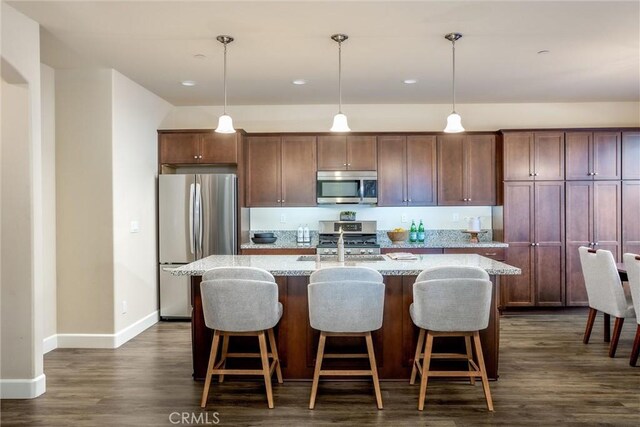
<point>421,232</point>
<point>413,232</point>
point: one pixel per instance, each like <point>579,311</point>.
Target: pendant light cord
<point>225,79</point>
<point>453,86</point>
<point>340,77</point>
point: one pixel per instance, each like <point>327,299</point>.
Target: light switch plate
<point>455,217</point>
<point>283,218</point>
<point>403,218</point>
<point>134,227</point>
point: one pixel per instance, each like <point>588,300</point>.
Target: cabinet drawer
<point>278,251</point>
<point>495,253</point>
<point>417,251</point>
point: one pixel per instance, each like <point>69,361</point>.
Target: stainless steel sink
<point>334,258</point>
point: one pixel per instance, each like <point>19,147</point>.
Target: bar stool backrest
<point>632,264</point>
<point>601,278</point>
<point>452,272</point>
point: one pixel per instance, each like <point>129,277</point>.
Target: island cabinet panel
<point>499,254</point>
<point>593,155</point>
<point>466,170</point>
<point>280,171</point>
<point>594,209</point>
<point>631,217</point>
<point>198,147</point>
<point>631,155</point>
<point>297,342</point>
<point>533,156</point>
<point>339,152</point>
<point>417,251</point>
<point>392,171</point>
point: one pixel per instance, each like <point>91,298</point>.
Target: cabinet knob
<point>464,200</point>
<point>595,173</point>
<point>468,200</point>
<point>344,164</point>
<point>348,164</point>
<point>595,243</point>
<point>535,174</point>
<point>532,244</point>
<point>530,174</point>
<point>278,201</point>
<point>409,200</point>
<point>199,157</point>
<point>195,157</point>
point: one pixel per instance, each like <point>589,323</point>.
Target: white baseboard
<point>23,388</point>
<point>49,343</point>
<point>102,340</point>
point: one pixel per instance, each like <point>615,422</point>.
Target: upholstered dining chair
<point>241,301</point>
<point>632,265</point>
<point>605,293</point>
<point>346,302</point>
<point>451,306</point>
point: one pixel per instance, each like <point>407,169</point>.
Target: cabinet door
<point>362,154</point>
<point>332,152</point>
<point>607,216</point>
<point>548,156</point>
<point>421,171</point>
<point>549,239</point>
<point>607,155</point>
<point>517,154</point>
<point>263,163</point>
<point>220,148</point>
<point>392,170</point>
<point>518,291</point>
<point>480,175</point>
<point>451,170</point>
<point>578,147</point>
<point>631,217</point>
<point>179,148</point>
<point>579,232</point>
<point>631,155</point>
<point>299,171</point>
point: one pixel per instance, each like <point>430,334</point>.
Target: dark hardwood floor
<point>547,376</point>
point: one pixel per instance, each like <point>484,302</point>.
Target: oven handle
<point>361,190</point>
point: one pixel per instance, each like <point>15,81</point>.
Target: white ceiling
<point>594,49</point>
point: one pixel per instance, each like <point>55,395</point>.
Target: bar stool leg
<point>635,350</point>
<point>265,368</point>
<point>223,356</point>
<point>274,351</point>
<point>416,358</point>
<point>590,321</point>
<point>212,359</point>
<point>483,370</point>
<point>425,370</point>
<point>617,328</point>
<point>607,327</point>
<point>374,369</point>
<point>467,344</point>
<point>316,373</point>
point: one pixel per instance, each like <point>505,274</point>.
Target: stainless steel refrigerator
<point>197,218</point>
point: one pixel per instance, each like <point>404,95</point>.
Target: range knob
<point>370,251</point>
<point>327,251</point>
<point>334,251</point>
<point>347,251</point>
<point>363,251</point>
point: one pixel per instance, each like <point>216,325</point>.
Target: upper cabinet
<point>533,156</point>
<point>593,155</point>
<point>280,171</point>
<point>407,170</point>
<point>631,155</point>
<point>466,170</point>
<point>197,147</point>
<point>340,153</point>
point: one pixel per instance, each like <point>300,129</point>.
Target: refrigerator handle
<point>200,219</point>
<point>191,231</point>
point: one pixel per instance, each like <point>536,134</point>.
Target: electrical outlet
<point>403,218</point>
<point>124,307</point>
<point>283,218</point>
<point>134,227</point>
<point>455,217</point>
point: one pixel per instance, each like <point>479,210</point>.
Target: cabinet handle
<point>491,253</point>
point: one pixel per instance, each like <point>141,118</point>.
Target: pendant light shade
<point>340,120</point>
<point>225,123</point>
<point>454,121</point>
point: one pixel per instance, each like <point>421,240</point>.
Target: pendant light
<point>454,121</point>
<point>340,120</point>
<point>225,123</point>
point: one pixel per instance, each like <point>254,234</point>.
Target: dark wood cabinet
<point>631,155</point>
<point>533,156</point>
<point>631,217</point>
<point>407,170</point>
<point>197,147</point>
<point>339,152</point>
<point>534,230</point>
<point>593,156</point>
<point>466,170</point>
<point>280,171</point>
<point>593,210</point>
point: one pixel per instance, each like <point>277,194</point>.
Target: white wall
<point>137,114</point>
<point>47,79</point>
<point>21,363</point>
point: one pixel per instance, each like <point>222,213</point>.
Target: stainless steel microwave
<point>347,187</point>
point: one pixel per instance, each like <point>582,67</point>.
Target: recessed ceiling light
<point>410,81</point>
<point>543,52</point>
<point>299,82</point>
<point>199,56</point>
<point>188,83</point>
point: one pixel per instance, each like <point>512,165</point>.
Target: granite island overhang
<point>394,343</point>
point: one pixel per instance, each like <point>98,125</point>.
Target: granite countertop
<point>287,265</point>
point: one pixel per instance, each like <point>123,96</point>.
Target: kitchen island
<point>394,343</point>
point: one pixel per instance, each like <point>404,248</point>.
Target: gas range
<point>360,237</point>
